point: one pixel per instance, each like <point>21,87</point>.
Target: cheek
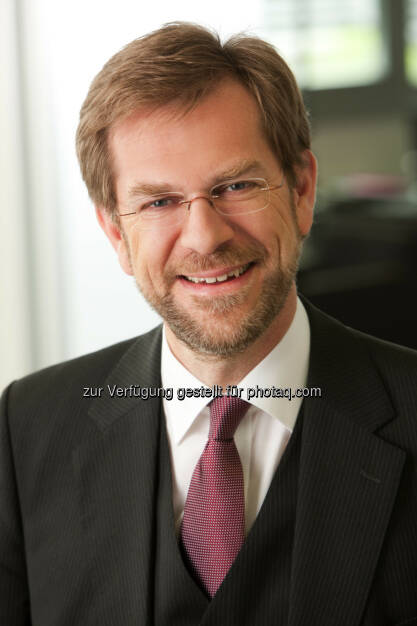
<point>275,229</point>
<point>123,254</point>
<point>281,237</point>
<point>150,253</point>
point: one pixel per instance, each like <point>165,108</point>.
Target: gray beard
<point>199,338</point>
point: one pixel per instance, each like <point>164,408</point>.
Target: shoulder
<point>333,335</point>
<point>51,394</point>
<point>396,365</point>
<point>398,361</point>
<point>361,366</point>
<point>90,368</point>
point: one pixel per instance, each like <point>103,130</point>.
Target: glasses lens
<point>159,211</point>
<point>241,196</point>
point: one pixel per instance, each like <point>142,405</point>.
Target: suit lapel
<point>347,483</point>
<point>116,469</point>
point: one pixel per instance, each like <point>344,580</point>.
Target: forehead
<point>221,129</point>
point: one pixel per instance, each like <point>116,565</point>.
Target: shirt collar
<point>180,414</point>
<point>286,366</point>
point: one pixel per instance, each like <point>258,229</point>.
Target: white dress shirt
<point>262,435</point>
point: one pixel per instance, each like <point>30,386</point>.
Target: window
<point>329,44</point>
<point>410,32</point>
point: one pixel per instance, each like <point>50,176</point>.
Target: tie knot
<point>225,416</point>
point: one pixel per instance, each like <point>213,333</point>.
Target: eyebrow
<point>241,168</point>
<point>148,189</point>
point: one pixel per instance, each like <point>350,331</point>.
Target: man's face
<point>189,153</point>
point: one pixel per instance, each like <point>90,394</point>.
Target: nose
<point>204,230</point>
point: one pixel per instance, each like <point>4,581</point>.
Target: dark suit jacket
<point>78,476</point>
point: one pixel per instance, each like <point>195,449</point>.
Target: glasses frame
<point>212,197</point>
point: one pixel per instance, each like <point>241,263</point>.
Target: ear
<point>304,193</point>
<point>116,238</point>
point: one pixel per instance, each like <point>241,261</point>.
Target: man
<point>118,508</point>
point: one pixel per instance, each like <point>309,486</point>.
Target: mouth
<point>218,281</point>
<point>226,276</point>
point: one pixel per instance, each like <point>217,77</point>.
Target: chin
<point>224,329</point>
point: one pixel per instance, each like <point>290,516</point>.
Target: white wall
<point>15,335</point>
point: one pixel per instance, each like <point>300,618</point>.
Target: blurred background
<point>62,291</point>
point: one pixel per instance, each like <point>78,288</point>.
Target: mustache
<point>224,255</point>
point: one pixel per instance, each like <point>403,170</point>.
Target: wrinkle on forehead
<point>176,110</point>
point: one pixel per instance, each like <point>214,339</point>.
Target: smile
<point>235,273</point>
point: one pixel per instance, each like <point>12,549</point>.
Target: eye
<point>240,185</point>
<point>157,204</point>
<point>236,188</point>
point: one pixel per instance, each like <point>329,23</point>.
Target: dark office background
<point>360,263</point>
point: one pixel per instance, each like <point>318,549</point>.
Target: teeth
<point>219,279</point>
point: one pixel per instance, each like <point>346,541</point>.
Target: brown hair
<point>181,62</point>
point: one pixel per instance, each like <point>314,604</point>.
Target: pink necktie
<point>213,526</point>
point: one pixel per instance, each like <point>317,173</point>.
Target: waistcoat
<point>256,589</point>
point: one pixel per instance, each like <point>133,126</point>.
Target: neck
<point>220,371</point>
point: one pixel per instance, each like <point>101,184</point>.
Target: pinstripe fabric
<point>178,600</point>
<point>78,481</point>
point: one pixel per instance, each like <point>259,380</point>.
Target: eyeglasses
<point>232,197</point>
